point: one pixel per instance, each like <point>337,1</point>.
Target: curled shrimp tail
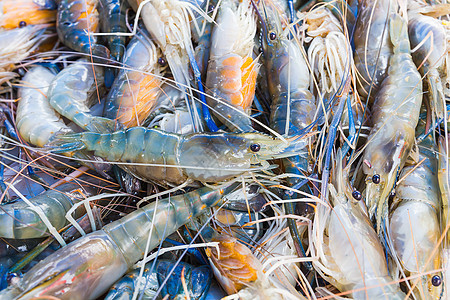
<point>66,143</point>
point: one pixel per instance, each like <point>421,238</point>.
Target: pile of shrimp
<point>224,149</point>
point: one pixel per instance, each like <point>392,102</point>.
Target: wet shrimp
<point>168,158</point>
<point>74,90</point>
<point>373,47</point>
<point>232,71</point>
<point>395,116</point>
<point>350,255</point>
<point>76,19</point>
<point>87,267</point>
<point>20,13</point>
<point>414,223</point>
<point>135,91</point>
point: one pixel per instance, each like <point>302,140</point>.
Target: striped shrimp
<point>20,221</point>
<point>76,19</point>
<point>168,158</point>
<point>16,45</point>
<point>232,71</point>
<point>87,267</point>
<point>73,91</point>
<point>372,45</point>
<point>395,116</point>
<point>135,91</point>
<point>414,223</point>
<point>430,39</point>
<point>20,13</point>
<point>350,255</point>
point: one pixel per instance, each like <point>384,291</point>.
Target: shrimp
<point>293,106</point>
<point>198,281</point>
<point>87,267</point>
<point>350,255</point>
<point>135,90</point>
<point>232,71</point>
<point>395,116</point>
<point>154,155</point>
<point>76,19</point>
<point>113,20</point>
<point>431,40</point>
<point>20,221</point>
<point>73,90</point>
<point>373,48</point>
<point>36,121</point>
<point>239,272</point>
<point>20,13</point>
<point>414,222</point>
<point>16,45</point>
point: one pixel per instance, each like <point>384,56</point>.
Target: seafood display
<point>233,149</point>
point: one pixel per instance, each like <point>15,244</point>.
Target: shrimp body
<point>396,105</point>
<point>87,267</point>
<point>372,45</point>
<point>37,122</point>
<point>154,155</point>
<point>14,12</point>
<point>20,221</point>
<point>72,92</point>
<point>444,184</point>
<point>414,223</point>
<point>232,71</point>
<point>76,19</point>
<point>135,90</point>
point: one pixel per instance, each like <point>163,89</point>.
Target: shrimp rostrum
<point>170,158</point>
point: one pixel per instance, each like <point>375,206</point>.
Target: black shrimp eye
<point>436,280</point>
<point>376,179</point>
<point>22,24</point>
<point>255,147</point>
<point>357,195</point>
<point>11,277</point>
<point>162,62</point>
<point>272,36</point>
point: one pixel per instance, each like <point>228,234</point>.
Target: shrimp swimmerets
<point>87,267</point>
<point>155,155</point>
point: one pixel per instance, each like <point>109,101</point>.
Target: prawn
<point>76,19</point>
<point>135,91</point>
<point>350,255</point>
<point>20,221</point>
<point>373,48</point>
<point>73,90</point>
<point>414,222</point>
<point>430,38</point>
<point>87,267</point>
<point>154,155</point>
<point>397,105</point>
<point>20,13</point>
<point>232,71</point>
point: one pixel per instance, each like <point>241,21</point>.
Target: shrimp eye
<point>357,195</point>
<point>162,62</point>
<point>272,36</point>
<point>12,278</point>
<point>376,179</point>
<point>436,280</point>
<point>255,147</point>
<point>22,24</point>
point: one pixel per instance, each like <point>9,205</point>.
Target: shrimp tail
<point>398,31</point>
<point>99,124</point>
<point>66,143</point>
